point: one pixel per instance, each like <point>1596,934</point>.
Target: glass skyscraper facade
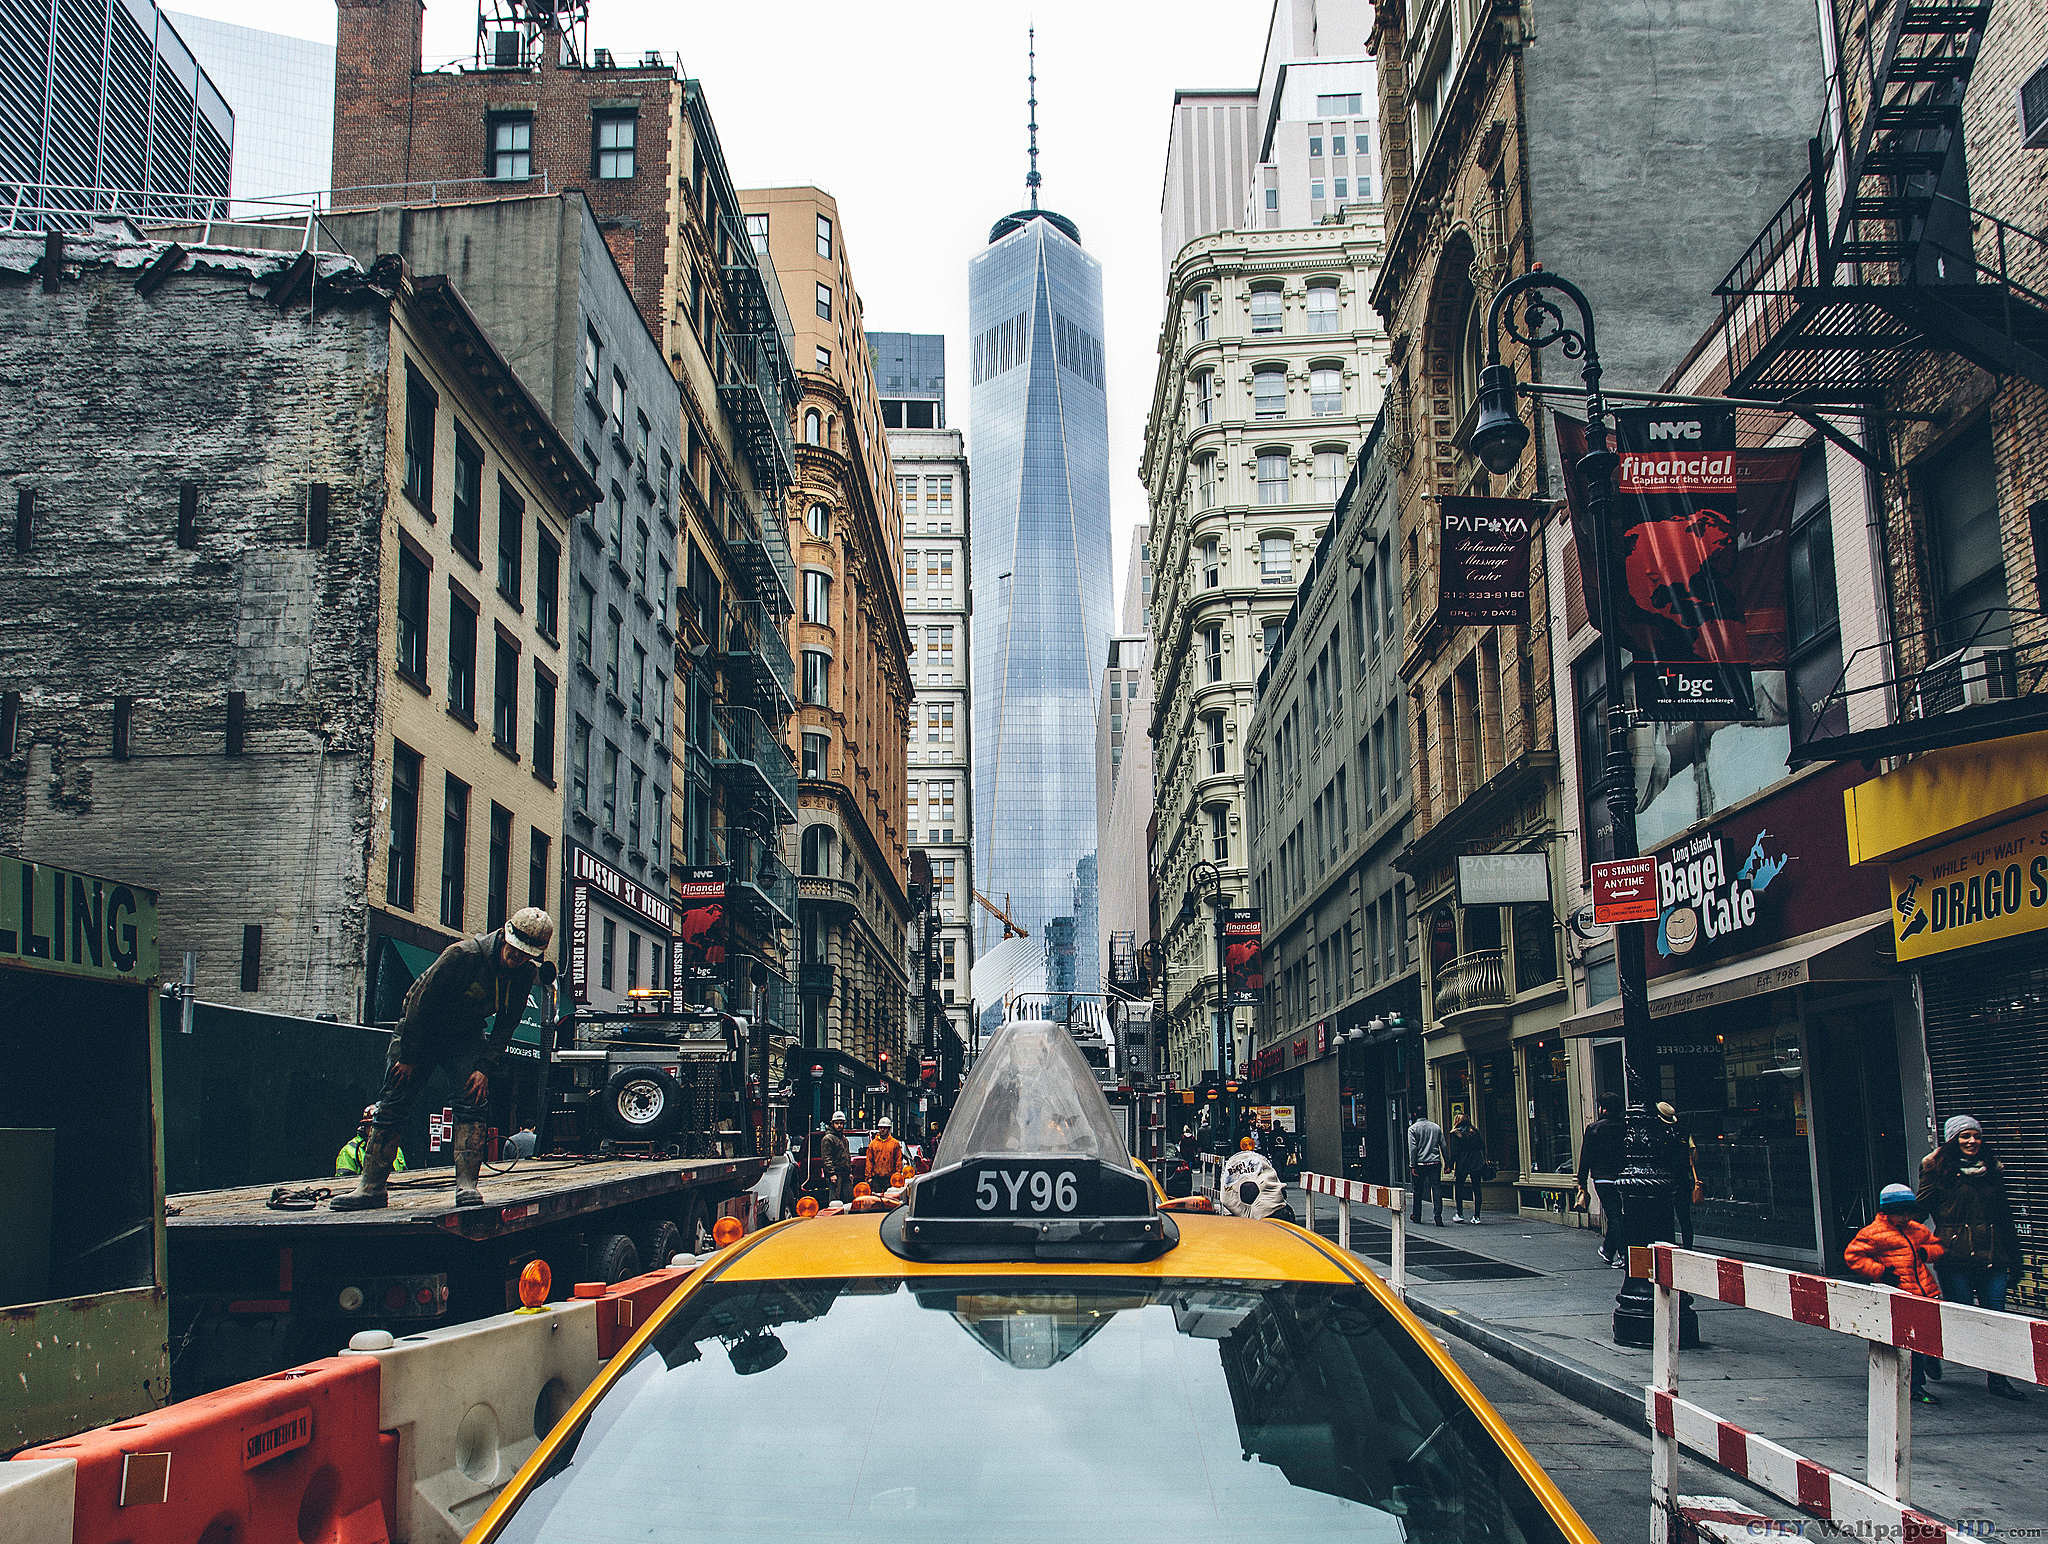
<point>1041,585</point>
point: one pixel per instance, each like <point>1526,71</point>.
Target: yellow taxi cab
<point>1029,1349</point>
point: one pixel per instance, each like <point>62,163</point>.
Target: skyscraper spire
<point>1031,181</point>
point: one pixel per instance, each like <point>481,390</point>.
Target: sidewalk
<point>1974,1457</point>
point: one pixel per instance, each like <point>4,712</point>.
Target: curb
<point>1576,1381</point>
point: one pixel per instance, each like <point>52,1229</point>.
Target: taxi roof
<point>1210,1248</point>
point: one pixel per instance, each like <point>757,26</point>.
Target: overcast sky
<point>911,113</point>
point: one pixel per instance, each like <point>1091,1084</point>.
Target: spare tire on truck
<point>640,1103</point>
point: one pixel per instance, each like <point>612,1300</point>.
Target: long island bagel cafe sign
<point>590,874</point>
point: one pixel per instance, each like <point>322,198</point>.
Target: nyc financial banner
<point>1983,888</point>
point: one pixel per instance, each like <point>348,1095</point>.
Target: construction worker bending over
<point>350,1159</point>
<point>488,977</point>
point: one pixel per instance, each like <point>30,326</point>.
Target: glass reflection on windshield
<point>1001,1411</point>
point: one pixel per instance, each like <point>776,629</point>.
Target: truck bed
<point>530,1194</point>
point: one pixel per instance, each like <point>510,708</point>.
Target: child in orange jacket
<point>1900,1251</point>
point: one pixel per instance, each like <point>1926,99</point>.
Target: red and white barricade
<point>1893,1324</point>
<point>1348,1193</point>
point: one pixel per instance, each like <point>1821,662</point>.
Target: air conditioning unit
<point>2033,105</point>
<point>1965,679</point>
<point>602,58</point>
<point>505,50</point>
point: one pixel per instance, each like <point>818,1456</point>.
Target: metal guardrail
<point>1349,1193</point>
<point>1475,980</point>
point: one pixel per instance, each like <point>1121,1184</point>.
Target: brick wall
<point>120,398</point>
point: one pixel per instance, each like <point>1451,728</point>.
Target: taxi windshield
<point>1028,1409</point>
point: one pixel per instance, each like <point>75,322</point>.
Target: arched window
<point>1276,559</point>
<point>1204,398</point>
<point>1329,473</point>
<point>1269,391</point>
<point>1212,563</point>
<point>1205,482</point>
<point>1219,833</point>
<point>1201,302</point>
<point>818,521</point>
<point>813,421</point>
<point>1212,733</point>
<point>1325,391</point>
<point>1470,357</point>
<point>817,851</point>
<point>1322,305</point>
<point>1272,477</point>
<point>1266,309</point>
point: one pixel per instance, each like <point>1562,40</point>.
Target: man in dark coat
<point>1600,1161</point>
<point>477,980</point>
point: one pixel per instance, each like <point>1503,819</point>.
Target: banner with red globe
<point>1699,527</point>
<point>1244,961</point>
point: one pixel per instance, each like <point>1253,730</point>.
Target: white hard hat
<point>838,1116</point>
<point>883,1124</point>
<point>530,930</point>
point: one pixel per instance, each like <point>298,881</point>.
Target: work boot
<point>469,1163</point>
<point>380,1147</point>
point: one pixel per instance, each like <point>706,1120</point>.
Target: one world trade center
<point>1041,592</point>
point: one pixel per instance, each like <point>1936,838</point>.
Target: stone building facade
<point>1484,123</point>
<point>295,710</point>
<point>854,687</point>
<point>1271,367</point>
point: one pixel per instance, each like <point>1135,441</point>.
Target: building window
<point>657,825</point>
<point>1329,475</point>
<point>1219,833</point>
<point>618,403</point>
<point>1212,733</point>
<point>511,147</point>
<point>401,861</point>
<point>1212,654</point>
<point>1269,392</point>
<point>543,725</point>
<point>1960,489</point>
<point>1315,193</point>
<point>1205,482</point>
<point>412,616</point>
<point>511,541</point>
<point>608,955</point>
<point>1272,477</point>
<point>618,525</point>
<point>593,361</point>
<point>421,403</point>
<point>818,521</point>
<point>817,596</point>
<point>586,621</point>
<point>1269,636</point>
<point>1589,676</point>
<point>537,869</point>
<point>824,236</point>
<point>461,655</point>
<point>1339,104</point>
<point>812,421</point>
<point>639,683</point>
<point>814,754</point>
<point>611,151</point>
<point>505,696</point>
<point>454,851</point>
<point>1265,310</point>
<point>608,788</point>
<point>1325,391</point>
<point>579,766</point>
<point>1343,189</point>
<point>815,852</point>
<point>466,501</point>
<point>1204,302</point>
<point>663,590</point>
<point>611,653</point>
<point>659,703</point>
<point>1205,398</point>
<point>640,556</point>
<point>547,580</point>
<point>1276,559</point>
<point>817,677</point>
<point>1812,615</point>
<point>635,786</point>
<point>1322,308</point>
<point>1212,563</point>
<point>498,873</point>
<point>825,302</point>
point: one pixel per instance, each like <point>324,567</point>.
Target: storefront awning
<point>1845,953</point>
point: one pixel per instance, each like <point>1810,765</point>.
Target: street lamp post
<point>1649,1178</point>
<point>1206,880</point>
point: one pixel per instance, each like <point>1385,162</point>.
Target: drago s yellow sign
<point>1985,887</point>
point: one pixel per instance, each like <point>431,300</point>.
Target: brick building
<point>248,661</point>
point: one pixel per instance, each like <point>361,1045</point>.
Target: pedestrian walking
<point>1962,1189</point>
<point>1899,1250</point>
<point>1600,1159</point>
<point>1190,1146</point>
<point>1689,1187</point>
<point>884,1156</point>
<point>835,1160</point>
<point>485,978</point>
<point>1465,1157</point>
<point>1426,1166</point>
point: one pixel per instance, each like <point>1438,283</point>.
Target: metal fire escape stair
<point>1833,311</point>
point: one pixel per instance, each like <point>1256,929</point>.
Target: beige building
<point>482,493</point>
<point>1271,365</point>
<point>853,675</point>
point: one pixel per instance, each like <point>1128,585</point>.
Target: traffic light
<point>1230,1088</point>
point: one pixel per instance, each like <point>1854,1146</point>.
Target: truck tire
<point>661,1242</point>
<point>614,1257</point>
<point>641,1103</point>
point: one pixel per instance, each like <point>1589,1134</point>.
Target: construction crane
<point>1011,929</point>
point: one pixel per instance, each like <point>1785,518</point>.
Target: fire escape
<point>1834,308</point>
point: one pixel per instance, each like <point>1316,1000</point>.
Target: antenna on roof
<point>1032,180</point>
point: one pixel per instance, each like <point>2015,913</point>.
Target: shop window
<point>1546,1075</point>
<point>1535,947</point>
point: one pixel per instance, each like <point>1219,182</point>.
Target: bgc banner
<point>1483,559</point>
<point>700,924</point>
<point>1699,530</point>
<point>1244,961</point>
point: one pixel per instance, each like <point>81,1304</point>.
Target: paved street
<point>1798,1385</point>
